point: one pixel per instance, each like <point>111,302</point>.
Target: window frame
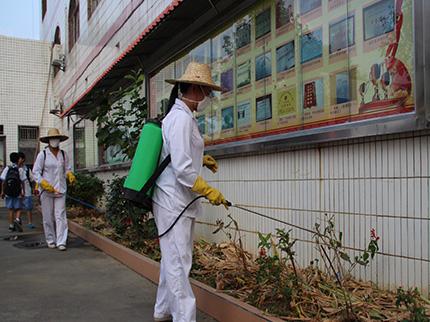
<point>73,24</point>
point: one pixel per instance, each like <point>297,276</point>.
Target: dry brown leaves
<point>315,297</point>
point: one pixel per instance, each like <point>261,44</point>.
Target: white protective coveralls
<point>183,141</point>
<point>53,169</point>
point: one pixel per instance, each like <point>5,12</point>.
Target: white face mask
<point>201,105</point>
<point>55,143</point>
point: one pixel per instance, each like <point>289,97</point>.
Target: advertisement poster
<point>352,60</point>
<point>342,34</point>
<point>307,6</point>
<point>264,108</point>
<point>311,45</point>
<point>284,13</point>
<point>244,74</point>
<point>263,66</point>
<point>286,101</point>
<point>343,94</point>
<point>313,94</point>
<point>227,118</point>
<point>378,19</point>
<point>285,57</point>
<point>243,32</point>
<point>213,125</point>
<point>201,122</point>
<point>262,23</point>
<point>243,114</point>
<point>227,81</point>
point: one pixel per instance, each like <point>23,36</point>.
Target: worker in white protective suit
<point>51,170</point>
<point>177,186</point>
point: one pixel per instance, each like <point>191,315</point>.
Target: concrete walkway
<point>81,284</point>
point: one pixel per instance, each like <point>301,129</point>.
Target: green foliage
<point>120,123</point>
<point>411,300</point>
<point>333,241</point>
<point>128,221</point>
<point>87,188</point>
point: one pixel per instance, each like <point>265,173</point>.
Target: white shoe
<point>51,246</point>
<point>162,318</point>
<point>62,247</point>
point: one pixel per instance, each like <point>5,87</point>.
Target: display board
<point>292,65</point>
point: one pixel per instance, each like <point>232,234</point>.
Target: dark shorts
<point>13,202</point>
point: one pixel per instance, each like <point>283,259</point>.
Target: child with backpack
<point>13,179</point>
<point>29,184</point>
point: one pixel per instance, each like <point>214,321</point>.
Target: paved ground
<point>81,284</point>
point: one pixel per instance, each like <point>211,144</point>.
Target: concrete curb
<point>220,306</point>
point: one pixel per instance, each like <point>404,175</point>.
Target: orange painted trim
<point>220,306</point>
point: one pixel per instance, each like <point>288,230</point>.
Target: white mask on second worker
<point>203,104</point>
<point>55,143</point>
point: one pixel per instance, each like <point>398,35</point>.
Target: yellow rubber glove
<point>47,186</point>
<point>71,177</point>
<point>210,163</point>
<point>214,196</point>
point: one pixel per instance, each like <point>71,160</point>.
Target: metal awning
<point>177,28</point>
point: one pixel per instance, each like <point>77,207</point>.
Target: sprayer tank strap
<point>151,181</point>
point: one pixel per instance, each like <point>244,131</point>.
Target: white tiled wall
<point>380,183</point>
<point>24,84</point>
<point>91,33</point>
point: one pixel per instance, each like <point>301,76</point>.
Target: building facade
<point>25,96</point>
<point>324,110</point>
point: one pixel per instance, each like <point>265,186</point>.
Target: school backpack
<point>12,182</point>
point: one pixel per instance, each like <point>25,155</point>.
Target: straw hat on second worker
<point>53,134</point>
<point>197,74</point>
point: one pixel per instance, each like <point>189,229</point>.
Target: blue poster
<point>243,32</point>
<point>342,34</point>
<point>201,122</point>
<point>262,23</point>
<point>309,5</point>
<point>227,118</point>
<point>263,66</point>
<point>311,45</point>
<point>243,113</point>
<point>342,88</point>
<point>378,19</point>
<point>285,58</point>
<point>264,108</point>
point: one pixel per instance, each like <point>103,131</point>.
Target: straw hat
<point>53,134</point>
<point>198,74</point>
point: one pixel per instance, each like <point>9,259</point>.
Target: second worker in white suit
<point>51,170</point>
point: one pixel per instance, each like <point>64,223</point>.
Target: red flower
<point>373,235</point>
<point>262,252</point>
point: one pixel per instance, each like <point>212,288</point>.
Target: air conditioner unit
<point>58,57</point>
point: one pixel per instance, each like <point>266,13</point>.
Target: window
<point>73,23</point>
<point>92,4</point>
<point>79,147</point>
<point>57,41</point>
<point>28,142</point>
<point>43,8</point>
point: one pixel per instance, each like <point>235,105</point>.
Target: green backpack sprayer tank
<point>144,171</point>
